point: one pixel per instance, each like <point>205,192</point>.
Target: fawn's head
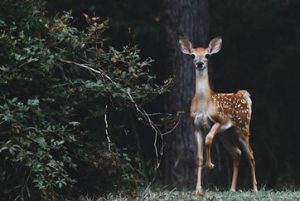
<point>200,55</point>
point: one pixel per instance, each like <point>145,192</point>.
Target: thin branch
<point>89,68</point>
<point>156,114</point>
<point>172,129</point>
<point>106,129</point>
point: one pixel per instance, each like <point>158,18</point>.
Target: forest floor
<point>174,195</point>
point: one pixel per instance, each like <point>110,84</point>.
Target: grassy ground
<point>174,195</point>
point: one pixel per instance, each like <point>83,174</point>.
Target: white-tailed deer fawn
<point>222,111</point>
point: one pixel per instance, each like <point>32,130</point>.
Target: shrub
<point>54,138</point>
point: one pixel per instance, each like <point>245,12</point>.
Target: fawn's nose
<point>200,65</point>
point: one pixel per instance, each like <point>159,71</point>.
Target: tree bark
<point>181,19</point>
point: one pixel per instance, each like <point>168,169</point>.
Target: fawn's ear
<point>185,46</point>
<point>214,45</point>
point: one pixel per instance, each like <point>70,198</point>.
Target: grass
<point>174,195</point>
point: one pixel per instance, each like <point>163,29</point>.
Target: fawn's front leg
<point>208,141</point>
<point>199,161</point>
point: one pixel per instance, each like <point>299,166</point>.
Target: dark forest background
<point>260,53</point>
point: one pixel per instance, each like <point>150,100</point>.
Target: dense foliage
<point>64,127</point>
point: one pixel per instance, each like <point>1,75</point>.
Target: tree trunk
<point>181,19</point>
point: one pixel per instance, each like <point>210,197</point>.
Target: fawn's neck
<point>203,91</point>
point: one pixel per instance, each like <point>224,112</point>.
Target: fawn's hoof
<point>199,193</point>
<point>210,166</point>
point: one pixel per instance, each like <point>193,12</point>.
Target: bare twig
<point>172,129</point>
<point>106,129</point>
<point>86,66</point>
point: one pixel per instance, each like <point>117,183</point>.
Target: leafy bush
<point>56,118</point>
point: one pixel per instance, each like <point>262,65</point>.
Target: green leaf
<point>33,102</point>
<point>41,141</point>
<point>74,123</point>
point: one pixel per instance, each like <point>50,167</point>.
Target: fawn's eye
<point>207,56</point>
<point>193,56</point>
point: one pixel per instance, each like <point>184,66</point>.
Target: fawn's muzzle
<point>200,66</point>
